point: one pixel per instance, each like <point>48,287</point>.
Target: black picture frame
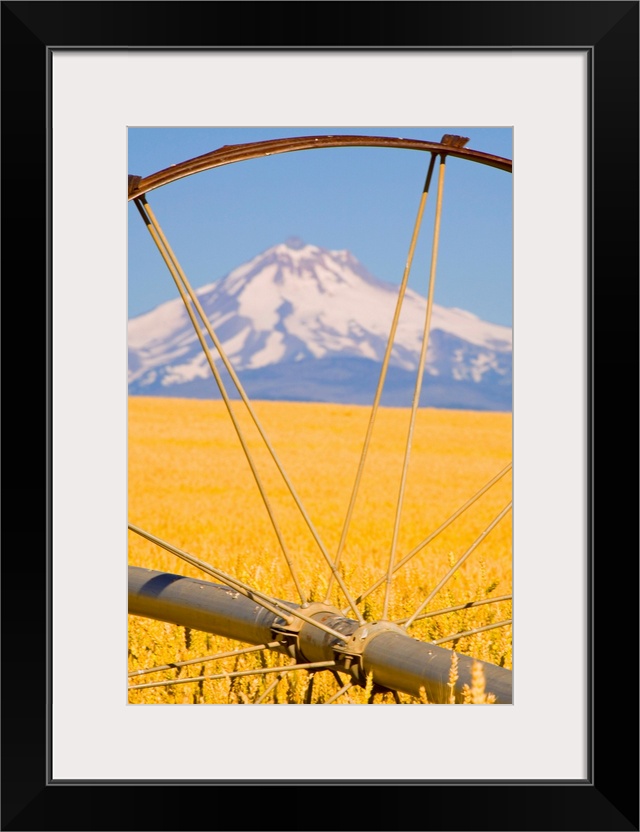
<point>608,798</point>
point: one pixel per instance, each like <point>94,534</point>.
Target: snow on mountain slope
<point>300,303</point>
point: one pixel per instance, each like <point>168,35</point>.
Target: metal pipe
<point>201,605</point>
<point>395,659</point>
<point>408,665</point>
<point>272,604</point>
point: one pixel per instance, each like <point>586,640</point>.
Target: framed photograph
<point>562,81</point>
<point>374,437</point>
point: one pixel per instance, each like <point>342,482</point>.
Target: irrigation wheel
<point>402,627</point>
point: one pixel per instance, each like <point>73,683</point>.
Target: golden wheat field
<point>190,484</point>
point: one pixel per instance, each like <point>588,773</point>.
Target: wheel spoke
<point>458,564</point>
<point>484,629</point>
<point>469,605</point>
<point>383,371</point>
<point>186,292</point>
<point>270,688</point>
<point>272,604</point>
<point>309,692</point>
<point>273,645</point>
<point>416,396</point>
<point>438,531</point>
<point>339,693</point>
<point>185,289</point>
<point>260,671</point>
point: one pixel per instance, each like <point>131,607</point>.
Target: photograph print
<point>320,415</point>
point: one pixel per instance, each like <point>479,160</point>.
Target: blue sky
<point>361,199</point>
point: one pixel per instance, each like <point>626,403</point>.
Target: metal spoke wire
<point>418,387</point>
<point>270,688</point>
<point>339,693</point>
<point>309,692</point>
<point>457,565</point>
<point>181,283</point>
<point>272,645</point>
<point>279,608</point>
<point>435,533</point>
<point>493,626</point>
<point>185,289</point>
<point>469,605</point>
<point>383,371</point>
<point>260,671</point>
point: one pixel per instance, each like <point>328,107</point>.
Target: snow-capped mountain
<point>305,323</point>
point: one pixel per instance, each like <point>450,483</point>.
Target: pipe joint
<point>307,643</point>
<point>351,655</point>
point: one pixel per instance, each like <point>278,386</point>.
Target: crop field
<point>190,484</point>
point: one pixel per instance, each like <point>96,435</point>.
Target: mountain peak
<point>293,250</point>
<point>296,304</point>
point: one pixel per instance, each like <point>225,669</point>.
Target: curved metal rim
<point>226,155</point>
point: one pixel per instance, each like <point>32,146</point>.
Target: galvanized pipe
<point>407,666</point>
<point>395,659</point>
<point>201,605</point>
